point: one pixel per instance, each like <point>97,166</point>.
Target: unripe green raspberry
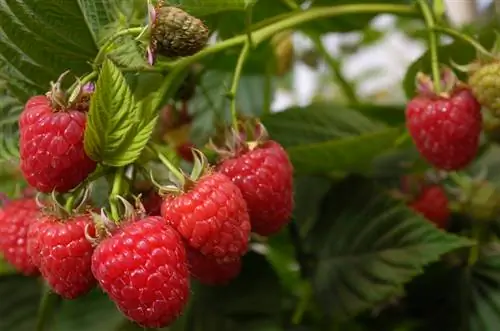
<point>176,33</point>
<point>485,85</point>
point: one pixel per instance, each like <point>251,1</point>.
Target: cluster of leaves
<point>350,251</point>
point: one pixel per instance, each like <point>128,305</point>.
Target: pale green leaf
<point>368,246</point>
<point>118,126</point>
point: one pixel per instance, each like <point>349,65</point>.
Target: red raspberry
<point>65,254</point>
<point>143,269</point>
<point>445,130</point>
<point>432,203</point>
<point>51,146</point>
<point>209,271</point>
<point>264,176</point>
<point>15,219</point>
<point>212,217</point>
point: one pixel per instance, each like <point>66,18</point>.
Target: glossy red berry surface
<point>143,269</point>
<point>265,177</point>
<point>432,203</point>
<point>15,218</point>
<point>51,146</point>
<point>209,271</point>
<point>65,254</point>
<point>212,217</point>
<point>446,130</point>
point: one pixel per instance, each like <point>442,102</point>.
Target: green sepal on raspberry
<point>175,33</point>
<point>445,126</point>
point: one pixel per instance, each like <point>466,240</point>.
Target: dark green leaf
<point>19,304</point>
<point>317,123</point>
<point>369,245</point>
<point>347,155</point>
<point>118,126</point>
<point>254,297</point>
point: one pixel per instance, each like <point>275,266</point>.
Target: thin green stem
<point>46,308</point>
<point>458,35</point>
<point>248,23</point>
<point>116,190</point>
<point>291,4</point>
<point>84,80</point>
<point>334,65</point>
<point>236,79</point>
<point>103,50</point>
<point>433,43</point>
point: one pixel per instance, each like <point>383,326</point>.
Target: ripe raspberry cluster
<point>143,261</point>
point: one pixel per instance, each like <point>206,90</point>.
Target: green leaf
<point>255,296</point>
<point>347,155</point>
<point>317,122</point>
<point>207,7</point>
<point>119,127</point>
<point>368,246</point>
<point>19,304</point>
<point>10,108</point>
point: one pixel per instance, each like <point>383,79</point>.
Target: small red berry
<point>65,254</point>
<point>209,271</point>
<point>143,269</point>
<point>51,146</point>
<point>265,177</point>
<point>211,216</point>
<point>15,219</point>
<point>432,203</point>
<point>445,130</point>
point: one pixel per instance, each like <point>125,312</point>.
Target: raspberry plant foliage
<point>353,255</point>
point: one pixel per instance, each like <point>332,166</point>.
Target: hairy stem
<point>236,79</point>
<point>433,43</point>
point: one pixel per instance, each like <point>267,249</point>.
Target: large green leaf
<point>317,123</point>
<point>253,301</point>
<point>369,245</point>
<point>347,155</point>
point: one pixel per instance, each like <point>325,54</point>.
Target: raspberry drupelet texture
<point>65,254</point>
<point>212,217</point>
<point>446,131</point>
<point>432,203</point>
<point>209,271</point>
<point>51,146</point>
<point>265,177</point>
<point>143,269</point>
<point>15,219</point>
